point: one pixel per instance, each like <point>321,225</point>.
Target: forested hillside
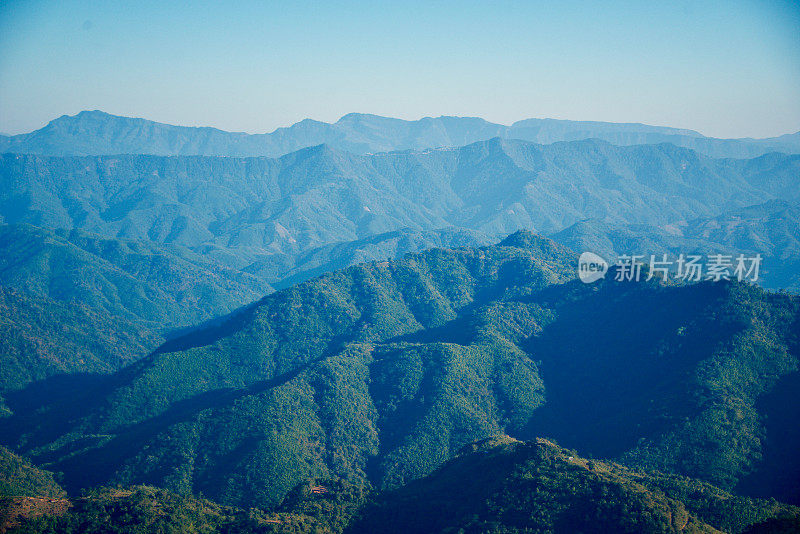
<point>238,212</point>
<point>504,485</point>
<point>42,340</point>
<point>387,369</point>
<point>20,478</point>
<point>495,485</point>
<point>161,287</point>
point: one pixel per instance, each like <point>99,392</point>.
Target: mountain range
<point>339,327</point>
<point>389,368</point>
<point>99,133</point>
<point>251,224</point>
<point>241,210</point>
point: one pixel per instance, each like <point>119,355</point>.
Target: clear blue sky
<point>725,68</point>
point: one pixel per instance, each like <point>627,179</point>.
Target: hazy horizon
<point>727,70</point>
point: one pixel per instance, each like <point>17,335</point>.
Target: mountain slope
<point>328,352</point>
<point>495,485</point>
<point>241,211</point>
<point>668,379</point>
<point>98,133</point>
<point>167,287</point>
<point>388,368</point>
<point>159,286</point>
<point>20,478</point>
<point>386,246</point>
<point>41,338</point>
<point>503,485</point>
<point>144,509</point>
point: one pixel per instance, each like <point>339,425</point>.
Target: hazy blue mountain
<point>551,131</point>
<point>159,286</point>
<point>386,246</point>
<point>771,229</point>
<point>612,240</point>
<point>382,371</point>
<point>238,211</point>
<point>98,133</point>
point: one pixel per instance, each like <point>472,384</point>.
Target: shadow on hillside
<point>46,409</point>
<point>615,365</point>
<point>91,461</point>
<point>208,331</point>
<point>778,475</point>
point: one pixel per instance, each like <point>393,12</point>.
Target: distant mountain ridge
<point>99,133</point>
<point>241,209</point>
<point>257,222</point>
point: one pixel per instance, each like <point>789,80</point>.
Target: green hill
<point>381,372</point>
<point>495,485</point>
<point>19,478</point>
<point>68,343</point>
<point>208,412</point>
<point>380,247</point>
<point>160,286</point>
<point>504,485</point>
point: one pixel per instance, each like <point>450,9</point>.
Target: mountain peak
<point>95,113</point>
<point>322,150</point>
<point>528,240</point>
<point>86,115</point>
<point>86,121</point>
<point>359,117</point>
